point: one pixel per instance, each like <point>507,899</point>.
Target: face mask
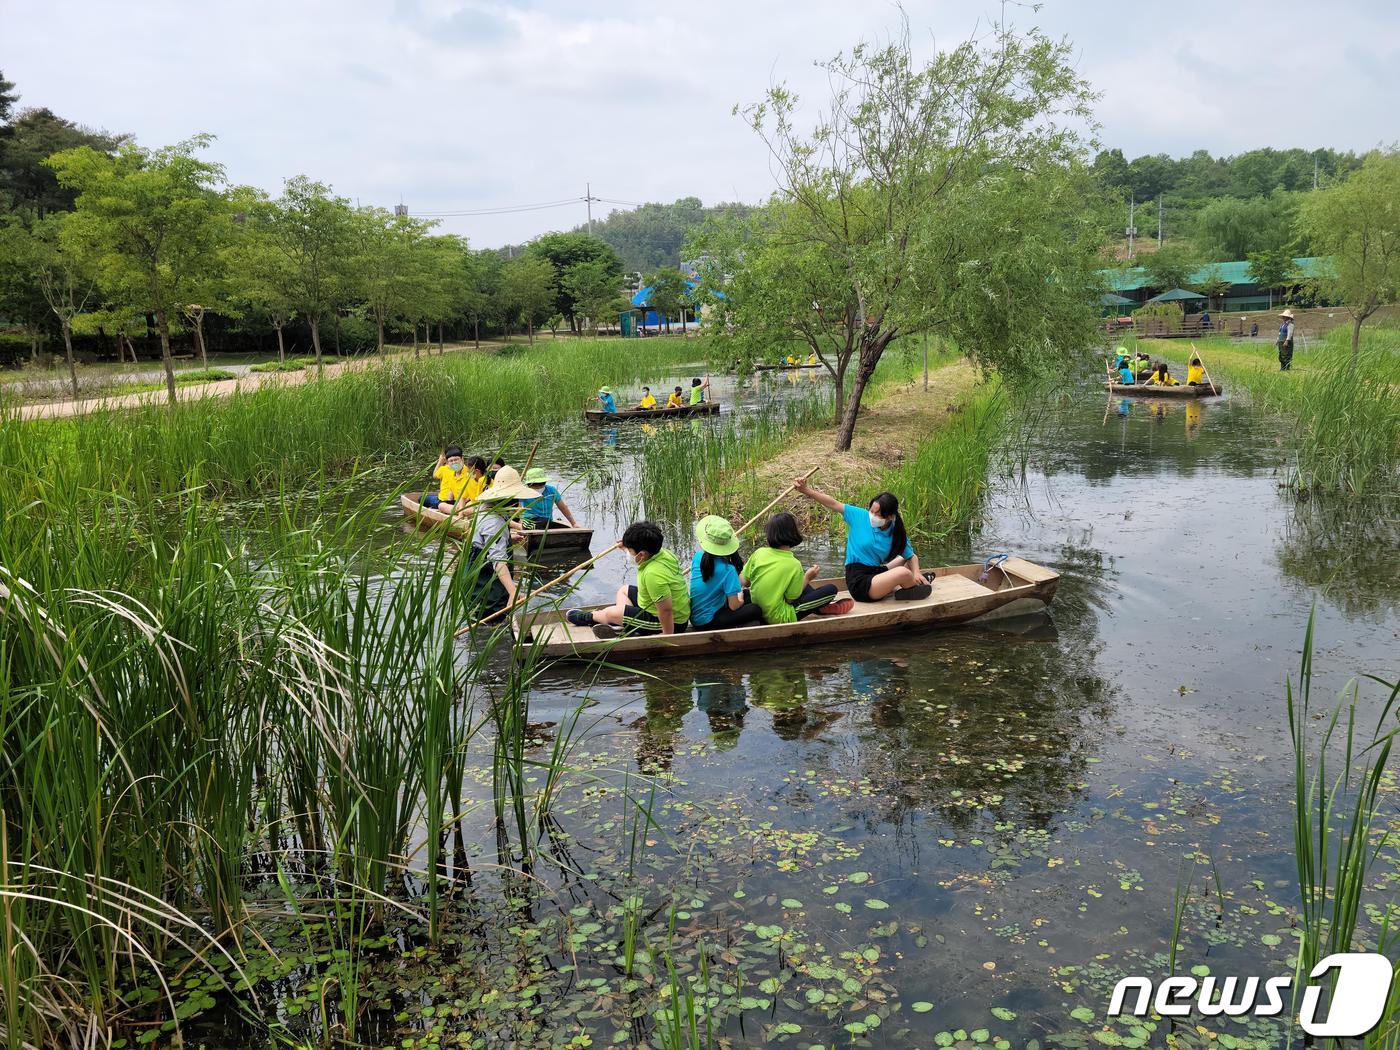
<point>877,522</point>
<point>459,468</point>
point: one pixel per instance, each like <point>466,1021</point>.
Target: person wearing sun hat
<point>717,598</point>
<point>605,396</point>
<point>1285,341</point>
<point>539,509</point>
<point>492,533</point>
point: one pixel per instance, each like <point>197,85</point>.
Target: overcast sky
<point>455,105</point>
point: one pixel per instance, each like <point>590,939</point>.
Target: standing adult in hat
<point>1285,341</point>
<point>492,532</point>
<point>717,598</point>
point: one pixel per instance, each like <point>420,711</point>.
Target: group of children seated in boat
<point>461,480</point>
<point>1143,370</point>
<point>676,399</point>
<point>793,359</point>
<point>725,591</point>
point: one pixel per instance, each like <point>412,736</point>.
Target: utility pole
<point>588,199</point>
<point>1131,228</point>
<point>1314,169</point>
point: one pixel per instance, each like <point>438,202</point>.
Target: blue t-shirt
<point>609,405</point>
<point>707,596</point>
<point>865,544</point>
<point>1125,375</point>
<point>542,508</point>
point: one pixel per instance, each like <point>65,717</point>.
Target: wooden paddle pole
<point>538,590</point>
<point>778,499</point>
<point>529,459</point>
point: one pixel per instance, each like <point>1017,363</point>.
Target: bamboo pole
<point>542,587</point>
<point>775,501</point>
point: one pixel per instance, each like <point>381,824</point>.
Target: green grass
<point>1347,437</point>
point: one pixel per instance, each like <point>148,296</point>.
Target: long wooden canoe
<point>599,416</point>
<point>784,368</point>
<point>554,538</point>
<point>1142,390</point>
<point>959,595</point>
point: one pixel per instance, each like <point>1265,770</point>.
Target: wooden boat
<point>599,416</point>
<point>1142,390</point>
<point>785,368</point>
<point>959,595</point>
<point>554,538</point>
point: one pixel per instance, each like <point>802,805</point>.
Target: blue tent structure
<point>642,298</point>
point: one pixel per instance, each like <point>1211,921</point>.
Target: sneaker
<point>839,608</point>
<point>580,617</point>
<point>604,631</point>
<point>914,593</point>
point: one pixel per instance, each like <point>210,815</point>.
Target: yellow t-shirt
<point>647,402</point>
<point>791,360</point>
<point>1195,373</point>
<point>475,487</point>
<point>811,359</point>
<point>674,401</point>
<point>451,484</point>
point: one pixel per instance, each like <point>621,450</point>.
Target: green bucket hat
<point>715,535</point>
<point>537,476</point>
<point>605,390</point>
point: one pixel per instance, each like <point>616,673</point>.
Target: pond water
<point>961,837</point>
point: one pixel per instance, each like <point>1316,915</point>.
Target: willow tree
<point>1356,224</point>
<point>946,196</point>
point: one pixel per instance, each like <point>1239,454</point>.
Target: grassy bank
<point>278,436</point>
<point>1347,436</point>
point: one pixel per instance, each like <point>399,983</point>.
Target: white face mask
<point>877,522</point>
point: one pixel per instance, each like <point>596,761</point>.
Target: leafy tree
<point>65,278</point>
<point>314,232</point>
<point>1171,266</point>
<point>1272,268</point>
<point>565,250</point>
<point>895,216</point>
<point>150,220</point>
<point>8,97</point>
<point>668,294</point>
<point>481,289</point>
<point>1213,285</point>
<point>21,298</point>
<point>28,141</point>
<point>1231,228</point>
<point>528,291</point>
<point>386,264</point>
<point>1357,225</point>
<point>259,273</point>
<point>595,290</point>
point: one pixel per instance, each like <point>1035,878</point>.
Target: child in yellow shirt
<point>675,400</point>
<point>450,473</point>
<point>1195,373</point>
<point>647,400</point>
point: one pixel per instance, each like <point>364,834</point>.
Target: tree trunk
<point>1355,345</point>
<point>199,342</point>
<point>846,432</point>
<point>476,332</point>
<point>163,327</point>
<point>337,341</point>
<point>34,346</point>
<point>379,329</point>
<point>841,364</point>
<point>442,343</point>
<point>415,340</point>
<point>684,330</point>
<point>281,347</point>
<point>531,323</point>
<point>73,367</point>
<point>316,341</point>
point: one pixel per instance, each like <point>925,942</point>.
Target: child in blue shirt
<point>717,598</point>
<point>605,395</point>
<point>539,513</point>
<point>880,560</point>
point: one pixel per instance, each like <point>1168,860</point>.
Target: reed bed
<point>281,435</point>
<point>205,732</point>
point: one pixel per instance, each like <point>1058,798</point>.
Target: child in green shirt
<point>659,603</point>
<point>777,583</point>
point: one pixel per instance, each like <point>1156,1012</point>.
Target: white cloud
<point>467,104</point>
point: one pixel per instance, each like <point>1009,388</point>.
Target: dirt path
<point>198,391</point>
<point>891,429</point>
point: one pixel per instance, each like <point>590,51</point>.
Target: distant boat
<point>1184,390</point>
<point>784,368</point>
<point>554,538</point>
<point>597,415</point>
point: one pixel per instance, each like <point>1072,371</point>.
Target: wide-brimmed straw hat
<point>715,535</point>
<point>537,476</point>
<point>506,486</point>
<point>1288,314</point>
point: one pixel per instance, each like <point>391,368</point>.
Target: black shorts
<point>636,620</point>
<point>859,577</point>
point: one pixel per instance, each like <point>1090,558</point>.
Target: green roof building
<point>1243,294</point>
